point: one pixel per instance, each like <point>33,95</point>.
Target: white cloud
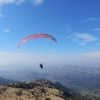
<point>97,29</point>
<point>85,37</point>
<point>6,1</point>
<point>19,2</point>
<point>36,2</point>
<point>2,2</point>
<point>6,30</point>
<point>90,19</point>
<point>82,38</point>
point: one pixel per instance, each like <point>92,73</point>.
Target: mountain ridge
<point>41,89</point>
<point>4,80</point>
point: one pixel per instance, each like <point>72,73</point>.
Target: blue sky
<point>74,23</point>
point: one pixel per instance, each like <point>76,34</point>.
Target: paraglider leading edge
<point>34,36</point>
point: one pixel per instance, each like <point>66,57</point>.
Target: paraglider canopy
<point>34,36</point>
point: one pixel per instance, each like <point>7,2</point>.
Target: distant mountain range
<point>4,80</point>
<point>41,89</point>
<point>83,80</point>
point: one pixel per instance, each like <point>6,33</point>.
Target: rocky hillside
<point>39,90</point>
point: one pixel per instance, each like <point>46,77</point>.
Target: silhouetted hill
<point>39,90</point>
<point>4,81</point>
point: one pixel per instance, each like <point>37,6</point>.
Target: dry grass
<point>39,92</point>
